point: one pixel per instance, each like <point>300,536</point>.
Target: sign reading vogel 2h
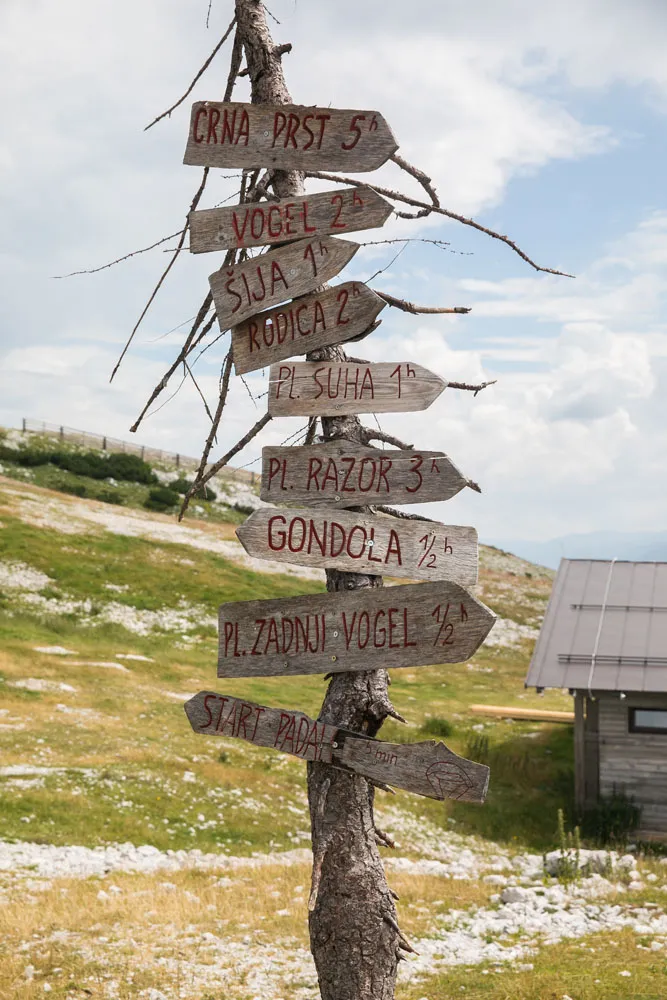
<point>319,320</point>
<point>418,550</point>
<point>254,225</point>
<point>427,768</point>
<point>419,623</point>
<point>287,136</point>
<point>345,474</point>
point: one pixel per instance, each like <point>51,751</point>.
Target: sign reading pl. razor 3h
<point>345,474</point>
<point>254,225</point>
<point>418,623</point>
<point>307,388</point>
<point>287,136</point>
<point>319,320</point>
<point>427,768</point>
<point>418,550</point>
<point>240,290</point>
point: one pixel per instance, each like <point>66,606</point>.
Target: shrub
<point>86,463</point>
<point>613,820</point>
<point>161,498</point>
<point>438,727</point>
<point>110,496</point>
<point>25,456</point>
<point>76,489</point>
<point>478,748</point>
<point>129,468</point>
<point>182,486</point>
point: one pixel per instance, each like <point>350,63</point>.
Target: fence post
<point>178,461</point>
<point>142,452</point>
<point>23,426</point>
<point>62,433</point>
<point>104,443</point>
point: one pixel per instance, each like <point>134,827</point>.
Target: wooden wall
<point>635,762</point>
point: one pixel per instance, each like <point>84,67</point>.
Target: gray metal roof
<point>605,628</point>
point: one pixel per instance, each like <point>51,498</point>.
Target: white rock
<point>515,894</point>
<point>103,896</point>
<point>495,879</point>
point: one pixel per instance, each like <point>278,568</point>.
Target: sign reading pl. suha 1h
<point>419,623</point>
<point>319,320</point>
<point>287,136</point>
<point>253,225</point>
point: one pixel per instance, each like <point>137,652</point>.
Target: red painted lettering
<point>196,135</point>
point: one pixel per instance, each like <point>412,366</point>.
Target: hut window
<point>648,720</point>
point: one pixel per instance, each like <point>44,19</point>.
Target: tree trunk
<point>354,934</point>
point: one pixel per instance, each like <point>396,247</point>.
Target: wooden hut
<point>604,638</point>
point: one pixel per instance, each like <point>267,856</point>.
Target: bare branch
<point>422,179</point>
<point>193,205</point>
<point>406,517</point>
<point>215,423</point>
<point>368,435</point>
<point>119,260</point>
<point>406,199</point>
<point>471,388</point>
<point>410,307</point>
<point>196,385</point>
<point>312,429</point>
<point>239,446</point>
<point>200,73</point>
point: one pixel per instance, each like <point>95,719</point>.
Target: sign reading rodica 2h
<point>287,136</point>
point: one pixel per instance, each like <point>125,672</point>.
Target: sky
<point>543,121</point>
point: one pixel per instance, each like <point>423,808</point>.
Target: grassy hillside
<point>107,624</point>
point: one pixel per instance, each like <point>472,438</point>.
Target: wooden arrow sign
<point>419,623</point>
<point>252,225</point>
<point>418,550</point>
<point>287,136</point>
<point>428,768</point>
<point>344,474</point>
<point>332,388</point>
<point>243,289</point>
<point>319,320</point>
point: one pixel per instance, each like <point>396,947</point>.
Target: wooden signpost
<point>241,290</point>
<point>318,320</point>
<point>418,550</point>
<point>429,768</point>
<point>287,136</point>
<point>322,214</point>
<point>333,388</point>
<point>344,474</point>
<point>403,626</point>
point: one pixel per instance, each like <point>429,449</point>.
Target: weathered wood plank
<point>322,214</point>
<point>332,388</point>
<point>429,768</point>
<point>419,623</point>
<point>287,136</point>
<point>319,320</point>
<point>345,474</point>
<point>241,290</point>
<point>418,550</point>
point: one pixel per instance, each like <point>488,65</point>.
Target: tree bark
<point>354,933</point>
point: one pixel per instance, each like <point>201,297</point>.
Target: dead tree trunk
<point>354,933</point>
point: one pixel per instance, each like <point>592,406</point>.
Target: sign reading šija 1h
<point>402,626</point>
<point>344,474</point>
<point>307,388</point>
<point>427,768</point>
<point>319,320</point>
<point>241,290</point>
<point>300,217</point>
<point>287,136</point>
<point>418,550</point>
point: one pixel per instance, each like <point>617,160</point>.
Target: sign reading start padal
<point>287,136</point>
<point>402,626</point>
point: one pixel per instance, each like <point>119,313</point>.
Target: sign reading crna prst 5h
<point>287,136</point>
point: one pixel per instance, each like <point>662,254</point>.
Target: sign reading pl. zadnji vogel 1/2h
<point>287,136</point>
<point>241,290</point>
<point>345,474</point>
<point>427,768</point>
<point>254,225</point>
<point>418,550</point>
<point>402,626</point>
<point>319,320</point>
<point>307,388</point>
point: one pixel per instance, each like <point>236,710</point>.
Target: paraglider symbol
<point>448,779</point>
